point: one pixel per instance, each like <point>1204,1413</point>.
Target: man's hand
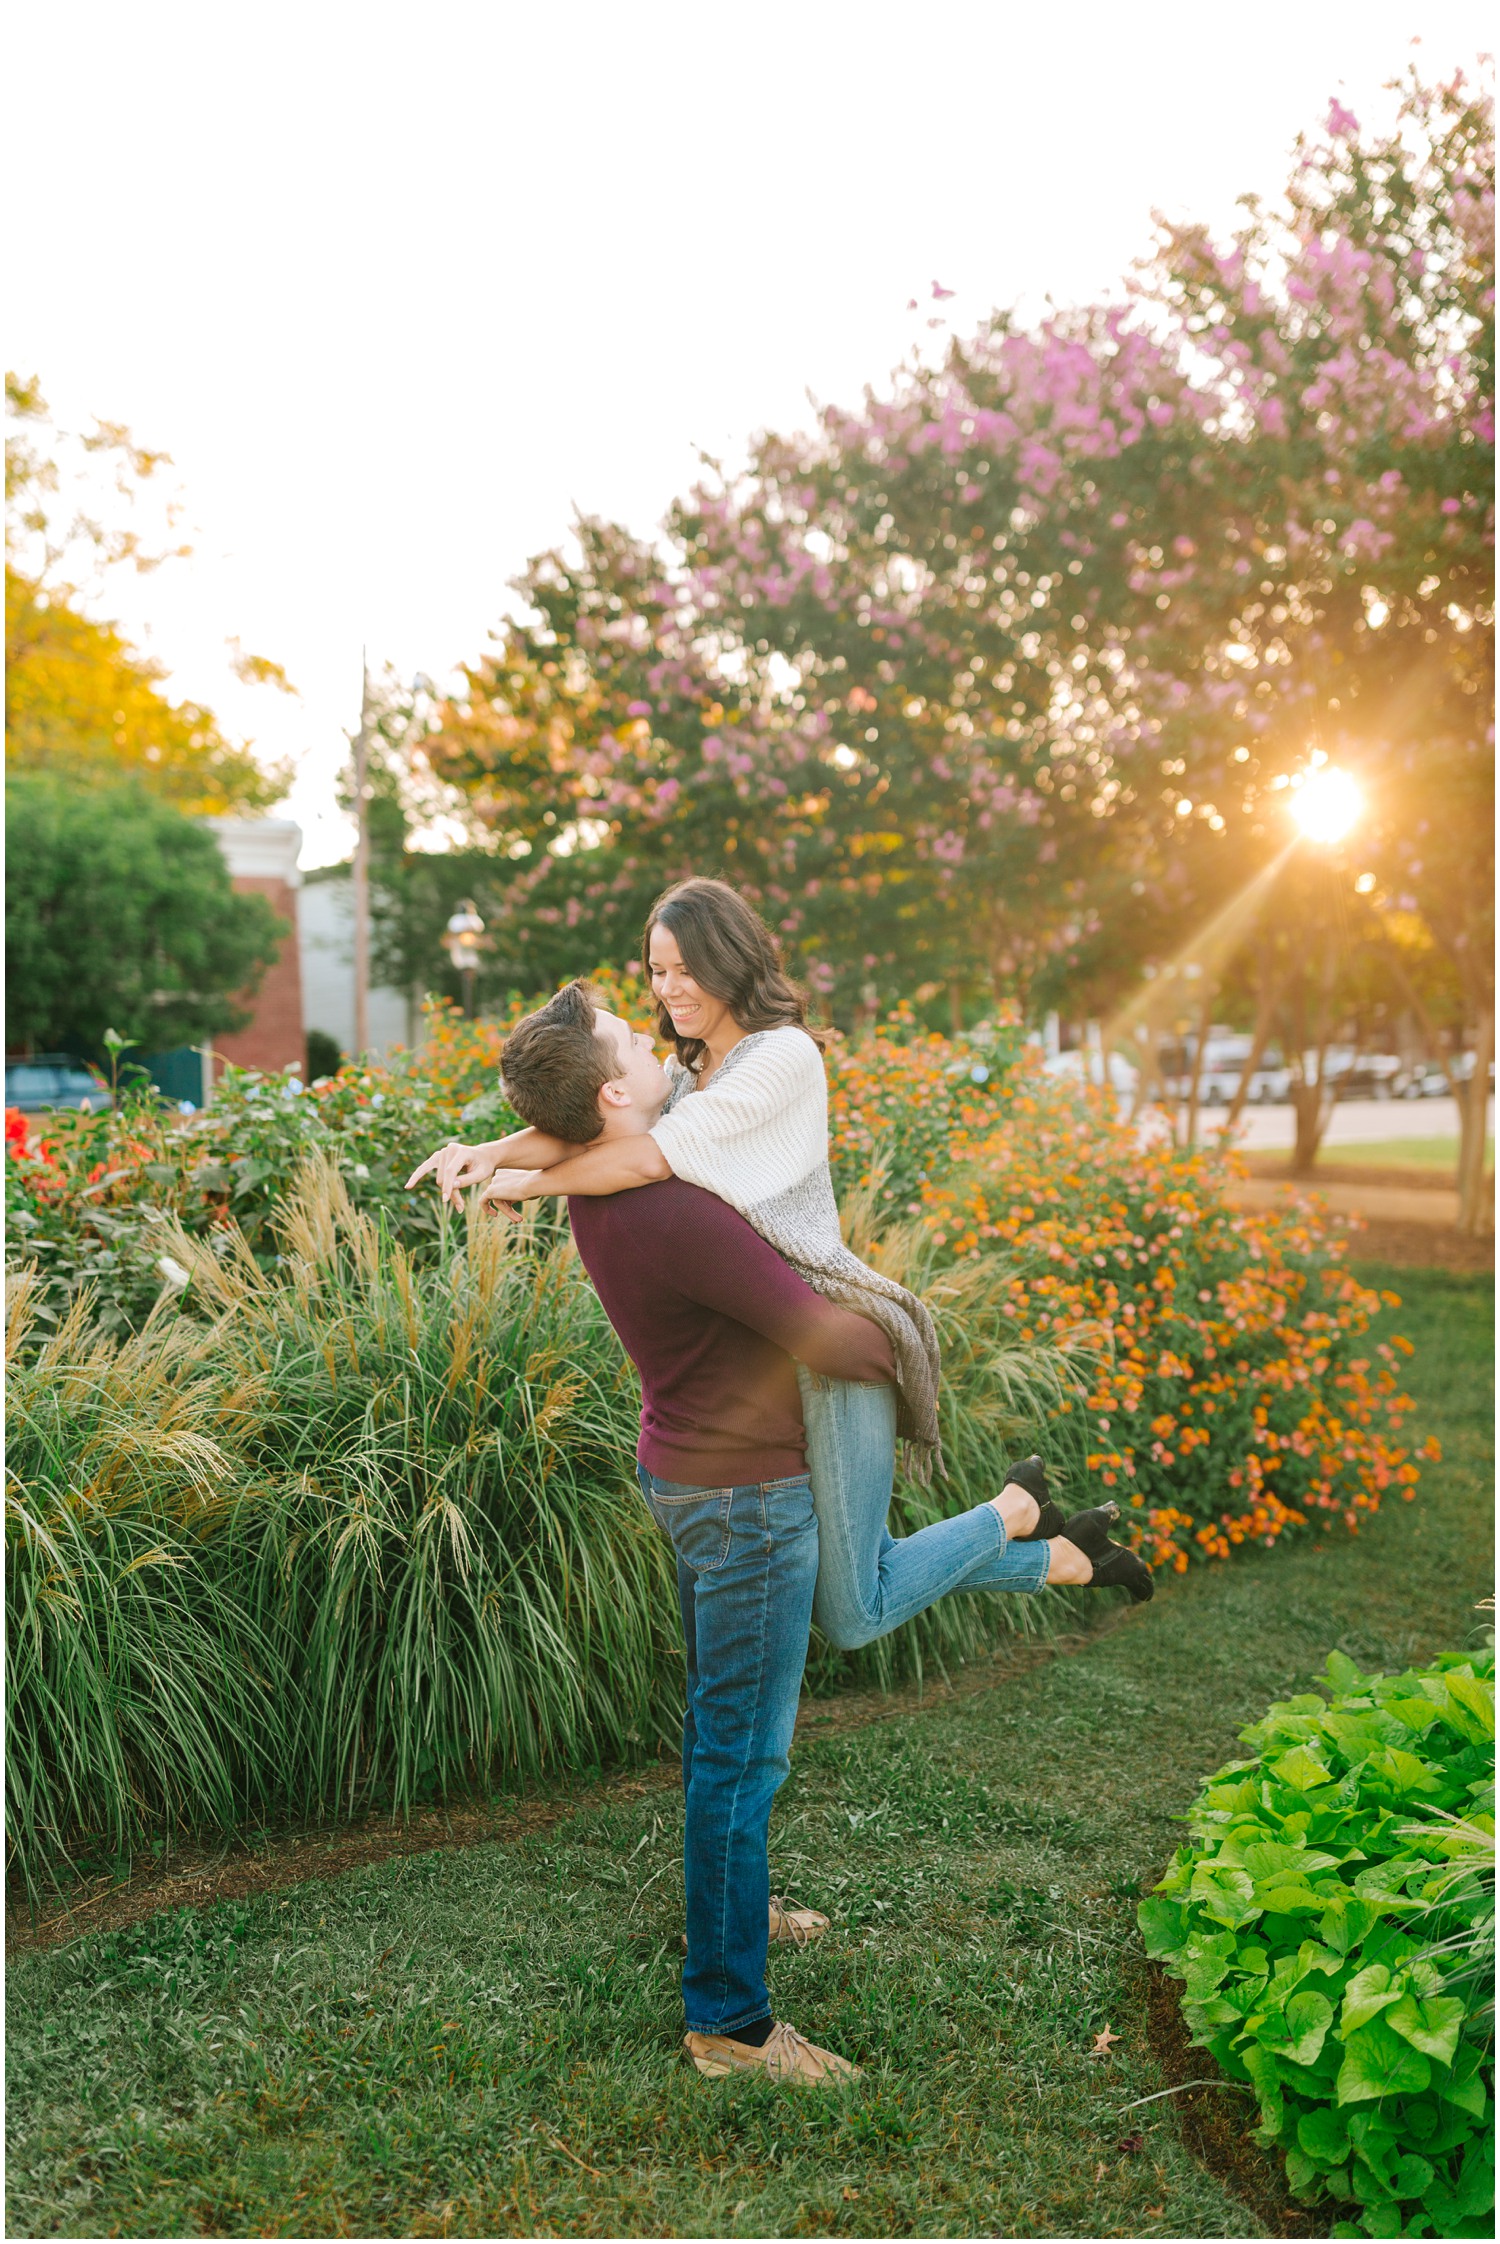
<point>455,1168</point>
<point>509,1187</point>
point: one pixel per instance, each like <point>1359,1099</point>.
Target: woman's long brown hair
<point>730,952</point>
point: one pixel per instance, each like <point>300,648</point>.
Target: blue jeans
<point>868,1583</point>
<point>747,1559</point>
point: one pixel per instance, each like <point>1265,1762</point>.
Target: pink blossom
<point>1340,123</point>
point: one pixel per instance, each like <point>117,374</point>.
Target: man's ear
<point>614,1094</point>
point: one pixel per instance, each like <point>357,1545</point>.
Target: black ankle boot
<point>1114,1566</point>
<point>1089,1530</point>
<point>1031,1474</point>
<point>1125,1570</point>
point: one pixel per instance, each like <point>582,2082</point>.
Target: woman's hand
<point>456,1167</point>
<point>509,1187</point>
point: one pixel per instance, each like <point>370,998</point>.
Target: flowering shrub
<point>1332,1918</point>
<point>87,1202</point>
<point>1234,1402</point>
<point>902,1105</point>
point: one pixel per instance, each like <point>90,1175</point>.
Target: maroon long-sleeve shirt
<point>712,1317</point>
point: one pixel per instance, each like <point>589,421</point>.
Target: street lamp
<point>461,942</point>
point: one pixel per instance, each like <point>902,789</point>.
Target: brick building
<point>261,854</point>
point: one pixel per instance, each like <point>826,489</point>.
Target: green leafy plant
<point>1332,1918</point>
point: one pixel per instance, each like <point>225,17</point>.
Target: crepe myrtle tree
<point>1006,673</point>
<point>1088,598</point>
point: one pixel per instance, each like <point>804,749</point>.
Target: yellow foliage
<point>79,698</point>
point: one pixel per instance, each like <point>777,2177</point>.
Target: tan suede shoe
<point>797,1926</point>
<point>786,2056</point>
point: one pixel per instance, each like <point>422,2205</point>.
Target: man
<point>712,1318</point>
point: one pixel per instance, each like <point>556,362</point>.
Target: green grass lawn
<point>486,2043</point>
<point>1439,1155</point>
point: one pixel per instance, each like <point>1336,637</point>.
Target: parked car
<point>1224,1058</point>
<point>1085,1067</point>
<point>50,1080</point>
<point>1368,1075</point>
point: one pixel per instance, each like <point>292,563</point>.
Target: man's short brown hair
<point>554,1065</point>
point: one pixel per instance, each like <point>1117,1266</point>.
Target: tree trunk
<point>956,1007</point>
<point>1205,1021</point>
<point>1307,1105</point>
<point>1145,1082</point>
<point>1476,1196</point>
<point>1265,1014</point>
<point>1309,1099</point>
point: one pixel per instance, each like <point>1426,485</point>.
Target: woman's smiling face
<point>694,1011</point>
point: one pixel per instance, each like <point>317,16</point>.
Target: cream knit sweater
<point>756,1135</point>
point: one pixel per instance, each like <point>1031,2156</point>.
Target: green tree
<point>120,914</point>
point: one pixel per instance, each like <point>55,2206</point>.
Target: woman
<point>747,1118</point>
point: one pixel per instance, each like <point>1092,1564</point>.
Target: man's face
<point>637,1069</point>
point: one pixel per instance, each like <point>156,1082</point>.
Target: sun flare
<point>1327,803</point>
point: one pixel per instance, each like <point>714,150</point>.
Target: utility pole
<point>362,868</point>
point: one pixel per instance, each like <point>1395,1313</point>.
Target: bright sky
<point>400,288</point>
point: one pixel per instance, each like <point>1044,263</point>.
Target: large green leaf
<point>1273,1858</point>
<point>1289,1897</point>
<point>1301,1770</point>
<point>1405,1773</point>
<point>1431,2024</point>
<point>1323,2134</point>
<point>1379,2063</point>
<point>1228,1895</point>
<point>1379,2220</point>
<point>1468,2198</point>
<point>1204,1960</point>
<point>1345,1921</point>
<point>1265,2073</point>
<point>1163,1924</point>
<point>1368,1993</point>
<point>1418,1714</point>
<point>1300,2031</point>
<point>1476,1696</point>
<point>1463,2084</point>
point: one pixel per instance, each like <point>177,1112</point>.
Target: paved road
<point>1354,1122</point>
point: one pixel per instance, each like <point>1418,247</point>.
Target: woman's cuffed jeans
<point>868,1582</point>
<point>747,1560</point>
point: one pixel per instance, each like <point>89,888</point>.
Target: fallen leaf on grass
<point>1153,2210</point>
<point>558,2144</point>
<point>1103,2042</point>
<point>851,2193</point>
<point>1130,2144</point>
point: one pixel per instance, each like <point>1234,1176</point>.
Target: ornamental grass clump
<point>349,1531</point>
<point>138,1682</point>
<point>456,1573</point>
<point>1332,1919</point>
